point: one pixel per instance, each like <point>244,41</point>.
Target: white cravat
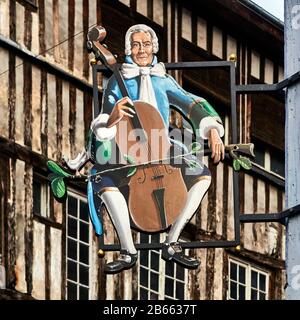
<point>146,89</point>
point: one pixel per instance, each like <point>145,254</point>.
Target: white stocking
<point>118,212</point>
<point>195,196</point>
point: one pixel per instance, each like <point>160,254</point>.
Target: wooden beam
<point>47,222</point>
<point>71,31</point>
<point>16,50</point>
<point>42,43</point>
<point>239,20</point>
<point>30,5</point>
<point>4,191</point>
<point>8,294</point>
<point>24,153</point>
<point>258,258</point>
<point>28,234</point>
<point>10,220</point>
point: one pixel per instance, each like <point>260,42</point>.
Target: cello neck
<point>95,36</point>
<point>135,120</point>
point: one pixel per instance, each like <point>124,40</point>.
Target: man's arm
<point>114,107</point>
<point>205,120</point>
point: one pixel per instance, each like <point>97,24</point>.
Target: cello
<point>157,192</point>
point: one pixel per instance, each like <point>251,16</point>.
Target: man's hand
<point>216,146</point>
<point>120,110</point>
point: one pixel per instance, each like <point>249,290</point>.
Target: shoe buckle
<point>176,247</point>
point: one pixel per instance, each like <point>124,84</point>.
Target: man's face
<point>141,49</point>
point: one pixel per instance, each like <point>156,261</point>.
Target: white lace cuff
<point>98,126</point>
<point>208,123</point>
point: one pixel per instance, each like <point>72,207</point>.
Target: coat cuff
<point>98,126</point>
<point>208,123</point>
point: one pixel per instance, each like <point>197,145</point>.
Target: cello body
<point>157,192</point>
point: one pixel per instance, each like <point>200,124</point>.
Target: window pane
<point>179,290</point>
<point>36,197</point>
<point>72,206</point>
<point>72,270</point>
<point>84,275</point>
<point>84,232</point>
<point>154,281</point>
<point>169,287</point>
<point>242,275</point>
<point>179,272</point>
<point>253,294</point>
<point>83,293</point>
<point>155,238</point>
<point>77,233</point>
<point>144,238</point>
<point>254,279</point>
<point>242,292</point>
<point>170,268</point>
<point>144,257</point>
<point>262,282</point>
<point>262,296</point>
<point>143,294</point>
<point>153,296</point>
<point>84,253</point>
<point>72,227</point>
<point>259,154</point>
<point>233,292</point>
<point>84,211</point>
<point>72,249</point>
<point>71,291</point>
<point>233,271</point>
<point>144,277</point>
<point>277,162</point>
<point>154,261</point>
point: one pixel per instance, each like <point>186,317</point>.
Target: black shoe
<point>121,263</point>
<point>173,252</point>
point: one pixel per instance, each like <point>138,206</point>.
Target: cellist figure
<point>147,80</point>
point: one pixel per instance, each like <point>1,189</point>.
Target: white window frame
<point>248,268</point>
<point>80,197</point>
<point>162,276</point>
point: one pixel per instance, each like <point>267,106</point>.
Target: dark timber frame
<point>234,90</point>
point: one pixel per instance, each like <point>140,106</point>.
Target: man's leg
<point>171,249</point>
<point>118,212</point>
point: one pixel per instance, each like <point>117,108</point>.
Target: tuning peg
<point>116,56</point>
<point>89,45</point>
<point>105,45</point>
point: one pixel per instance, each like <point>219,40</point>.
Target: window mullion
<point>78,249</point>
<point>248,283</point>
<point>162,274</point>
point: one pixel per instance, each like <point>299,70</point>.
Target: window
<point>41,197</point>
<point>269,158</point>
<point>78,248</point>
<point>247,282</point>
<point>259,152</point>
<point>277,163</point>
<point>159,279</point>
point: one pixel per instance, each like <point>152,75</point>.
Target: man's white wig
<point>140,28</point>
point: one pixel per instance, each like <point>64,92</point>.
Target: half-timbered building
<point>48,250</point>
